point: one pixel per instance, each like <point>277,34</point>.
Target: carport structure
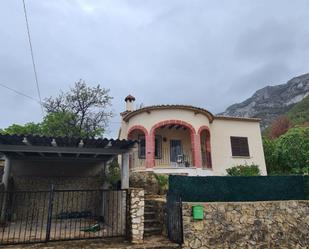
<point>40,150</point>
<point>46,196</point>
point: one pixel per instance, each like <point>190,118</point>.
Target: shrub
<point>244,170</point>
<point>113,174</point>
<point>292,150</point>
<point>162,182</point>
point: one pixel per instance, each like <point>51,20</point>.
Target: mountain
<point>271,101</point>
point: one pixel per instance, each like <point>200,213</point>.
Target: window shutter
<point>240,146</point>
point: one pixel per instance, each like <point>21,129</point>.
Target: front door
<point>175,149</point>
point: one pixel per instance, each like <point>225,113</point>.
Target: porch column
<point>7,172</point>
<point>196,150</point>
<point>125,157</point>
<point>5,180</point>
<point>150,147</point>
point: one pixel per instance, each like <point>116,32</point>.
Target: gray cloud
<point>205,53</point>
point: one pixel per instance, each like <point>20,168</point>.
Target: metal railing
<point>41,216</point>
<point>164,160</point>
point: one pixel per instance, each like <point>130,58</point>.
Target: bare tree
<point>89,107</point>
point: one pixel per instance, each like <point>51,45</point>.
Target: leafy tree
<point>27,129</point>
<point>88,105</point>
<point>271,157</point>
<point>81,112</point>
<point>244,170</point>
<point>292,150</point>
<point>289,154</point>
<point>59,124</point>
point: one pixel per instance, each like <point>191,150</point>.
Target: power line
<point>32,57</point>
<point>20,93</point>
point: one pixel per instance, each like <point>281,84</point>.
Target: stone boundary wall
<point>136,205</point>
<point>272,224</point>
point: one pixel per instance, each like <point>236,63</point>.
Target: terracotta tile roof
<point>220,117</point>
<point>126,115</point>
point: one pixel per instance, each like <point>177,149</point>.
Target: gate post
<point>135,217</point>
<point>50,212</point>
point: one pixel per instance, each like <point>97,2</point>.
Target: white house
<point>182,139</point>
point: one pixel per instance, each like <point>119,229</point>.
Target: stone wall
<point>136,204</point>
<point>145,180</point>
<point>276,224</point>
<point>148,181</point>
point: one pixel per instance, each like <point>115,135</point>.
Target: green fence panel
<point>229,188</point>
<point>306,187</point>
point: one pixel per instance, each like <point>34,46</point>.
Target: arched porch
<point>173,143</point>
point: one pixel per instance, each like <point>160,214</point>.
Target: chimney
<point>129,103</point>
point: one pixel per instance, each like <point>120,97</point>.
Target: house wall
<point>220,132</point>
<point>222,158</point>
<point>155,116</point>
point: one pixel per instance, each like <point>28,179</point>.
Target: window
<point>240,146</point>
<point>158,146</point>
<point>142,146</point>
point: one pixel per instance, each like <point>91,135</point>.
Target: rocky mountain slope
<point>272,101</point>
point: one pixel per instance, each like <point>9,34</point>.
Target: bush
<point>289,154</point>
<point>244,170</point>
<point>162,182</point>
<point>113,174</point>
<point>292,150</point>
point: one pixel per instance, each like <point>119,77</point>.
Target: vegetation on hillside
<point>299,114</point>
<point>80,112</point>
<point>286,142</point>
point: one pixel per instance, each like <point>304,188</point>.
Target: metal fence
<point>41,216</point>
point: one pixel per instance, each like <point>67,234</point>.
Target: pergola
<point>64,149</point>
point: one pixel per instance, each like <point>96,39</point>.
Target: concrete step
<point>151,221</point>
<point>149,231</point>
<point>150,215</point>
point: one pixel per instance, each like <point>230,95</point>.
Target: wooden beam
<point>62,150</point>
<point>61,159</point>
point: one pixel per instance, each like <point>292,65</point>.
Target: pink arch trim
<point>203,128</point>
<point>172,121</point>
<point>137,127</point>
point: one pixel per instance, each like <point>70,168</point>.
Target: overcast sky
<point>205,53</point>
